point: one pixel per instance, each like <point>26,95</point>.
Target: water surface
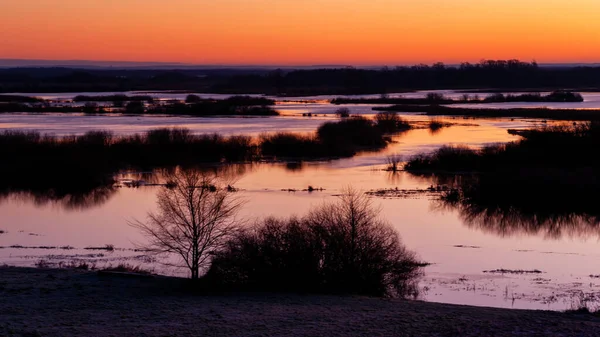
<point>459,248</point>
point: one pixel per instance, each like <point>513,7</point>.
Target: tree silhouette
<point>195,217</point>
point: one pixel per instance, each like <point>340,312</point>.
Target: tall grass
<point>34,162</point>
<point>63,166</point>
<point>437,98</point>
<point>342,138</point>
<point>562,146</point>
<point>542,113</point>
<point>113,98</point>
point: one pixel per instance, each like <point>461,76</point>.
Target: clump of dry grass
<point>127,268</point>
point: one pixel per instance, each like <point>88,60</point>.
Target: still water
<point>459,248</point>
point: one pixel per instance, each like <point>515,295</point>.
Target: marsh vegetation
<point>538,185</point>
<point>541,113</point>
<point>143,104</point>
<point>440,99</point>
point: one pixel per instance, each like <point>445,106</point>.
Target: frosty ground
<point>48,302</point>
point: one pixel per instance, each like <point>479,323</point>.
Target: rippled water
<point>459,248</point>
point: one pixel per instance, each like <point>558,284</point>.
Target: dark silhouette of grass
<point>235,105</point>
<point>540,148</point>
<point>393,162</point>
<point>127,268</point>
<point>358,132</point>
<point>135,105</point>
<point>43,108</point>
<point>75,264</point>
<point>435,98</point>
<point>343,138</point>
<point>78,171</point>
<point>388,100</point>
<point>19,99</point>
<point>114,98</point>
<point>542,113</point>
<point>391,122</point>
<point>550,203</point>
<point>539,185</point>
<point>286,144</point>
<point>435,125</point>
<point>108,248</point>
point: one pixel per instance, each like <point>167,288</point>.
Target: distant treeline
<point>488,74</point>
<point>437,98</point>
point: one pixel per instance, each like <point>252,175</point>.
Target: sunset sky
<point>301,32</point>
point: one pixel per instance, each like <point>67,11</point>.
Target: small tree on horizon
<point>195,217</point>
<point>342,112</point>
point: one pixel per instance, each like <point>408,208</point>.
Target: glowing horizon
<point>311,32</point>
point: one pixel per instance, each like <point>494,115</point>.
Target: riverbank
<point>47,302</point>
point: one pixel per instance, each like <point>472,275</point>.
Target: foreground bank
<point>40,302</point>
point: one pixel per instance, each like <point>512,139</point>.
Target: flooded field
<point>475,261</point>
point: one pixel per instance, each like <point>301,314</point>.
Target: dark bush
<point>193,99</point>
<point>333,139</point>
<point>342,112</point>
<point>352,132</point>
<point>285,144</point>
<point>435,97</point>
<point>446,158</point>
<point>340,247</point>
<point>390,122</point>
<point>135,107</point>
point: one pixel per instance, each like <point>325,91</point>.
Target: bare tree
<point>194,219</point>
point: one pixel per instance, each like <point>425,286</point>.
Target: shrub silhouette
<point>342,112</point>
<point>192,99</point>
<point>343,138</point>
<point>285,144</point>
<point>575,145</point>
<point>390,121</point>
<point>356,131</point>
<point>340,247</point>
<point>135,107</point>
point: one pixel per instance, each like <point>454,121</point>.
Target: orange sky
<point>298,32</point>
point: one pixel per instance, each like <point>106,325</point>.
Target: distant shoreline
<point>303,81</point>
